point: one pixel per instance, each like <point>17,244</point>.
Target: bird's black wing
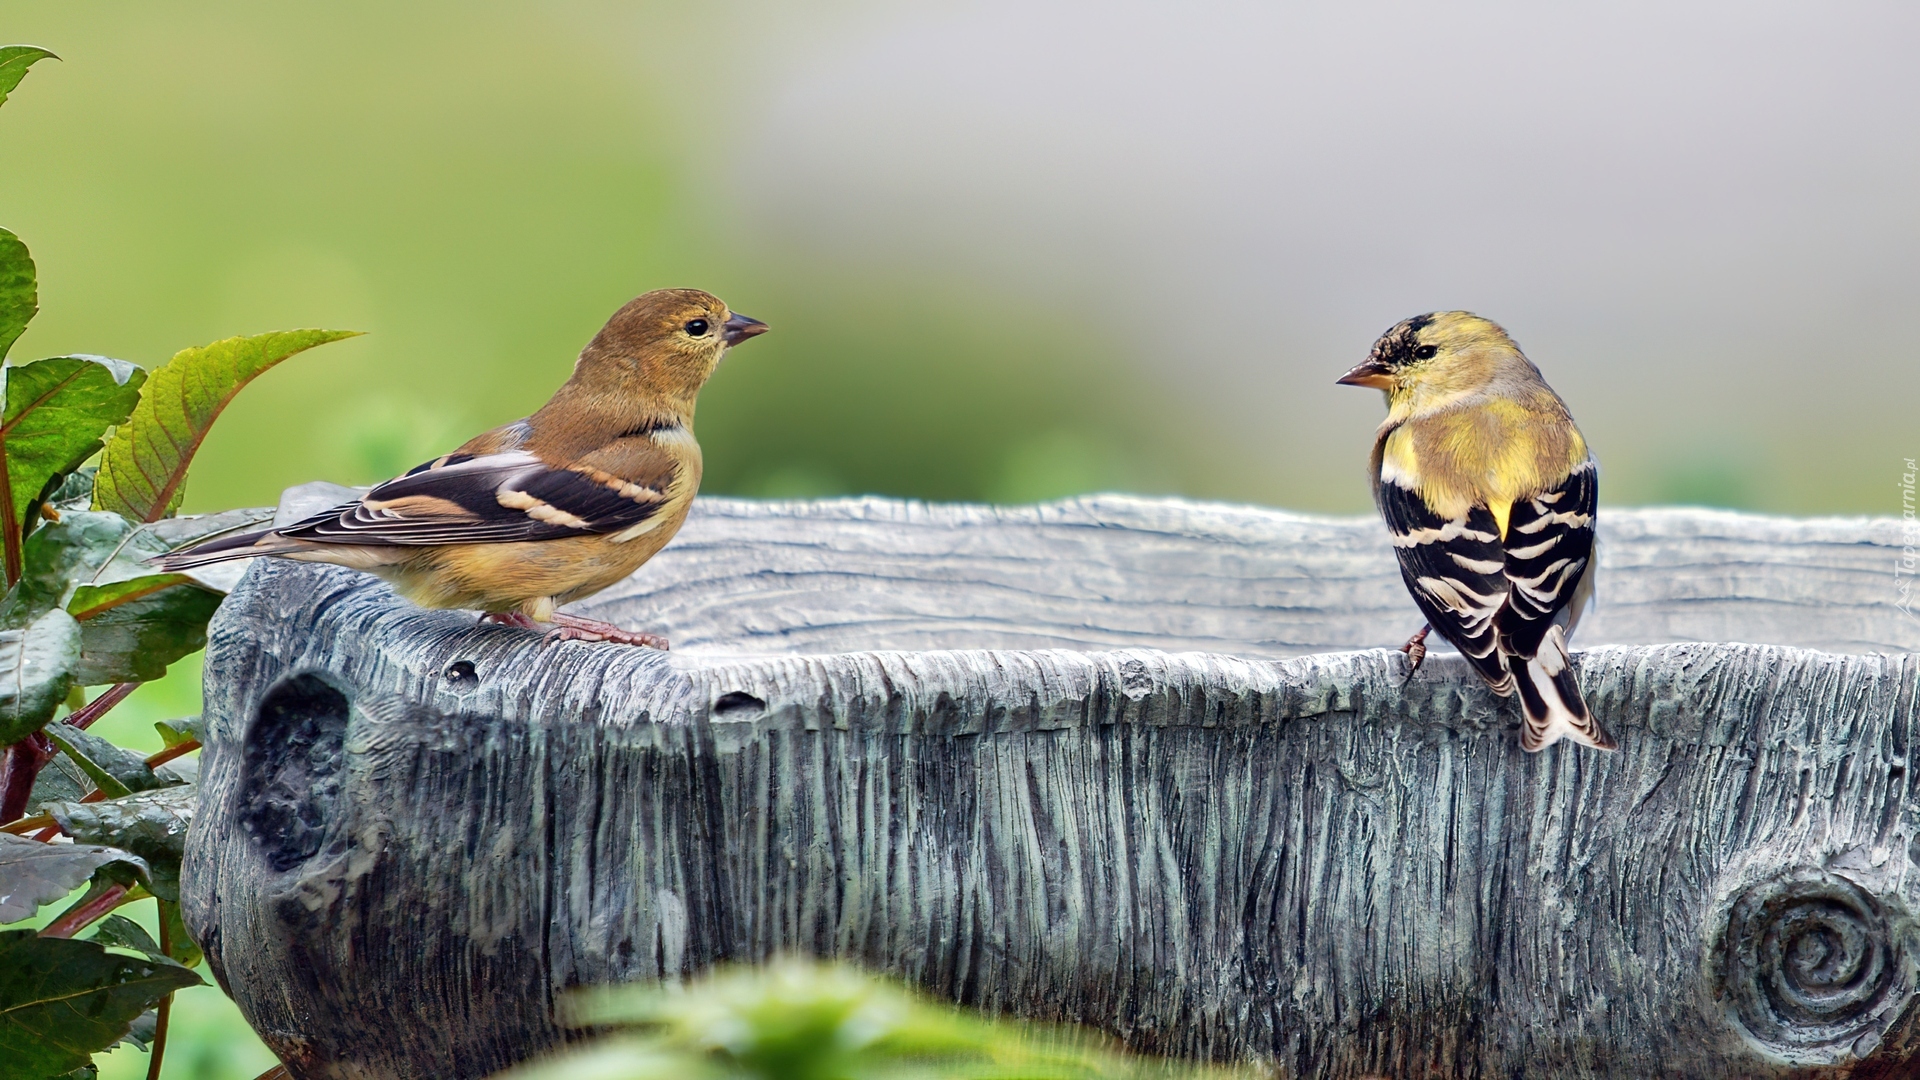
<point>491,498</point>
<point>1456,571</point>
<point>1548,546</point>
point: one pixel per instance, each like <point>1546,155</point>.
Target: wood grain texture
<point>1121,572</point>
<point>1194,828</point>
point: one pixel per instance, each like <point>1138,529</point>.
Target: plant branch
<point>154,761</point>
<point>159,1050</point>
<point>84,717</point>
<point>166,581</point>
<point>19,765</point>
<point>79,916</point>
<point>27,825</point>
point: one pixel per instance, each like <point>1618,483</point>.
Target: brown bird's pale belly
<point>531,577</point>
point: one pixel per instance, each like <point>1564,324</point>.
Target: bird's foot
<point>1416,650</point>
<point>574,628</point>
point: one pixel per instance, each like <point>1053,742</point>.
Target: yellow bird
<point>1490,493</point>
<point>545,510</point>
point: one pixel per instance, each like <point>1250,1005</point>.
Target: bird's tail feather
<point>1550,697</point>
<point>238,546</point>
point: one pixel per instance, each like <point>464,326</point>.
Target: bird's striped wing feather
<point>1549,543</point>
<point>489,498</point>
<point>1456,571</point>
<point>1549,548</point>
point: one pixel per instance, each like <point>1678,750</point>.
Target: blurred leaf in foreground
<point>799,1020</point>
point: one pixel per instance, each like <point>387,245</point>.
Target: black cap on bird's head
<point>1412,342</point>
<point>1396,350</point>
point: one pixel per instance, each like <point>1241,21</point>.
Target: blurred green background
<point>479,186</point>
<point>1010,251</point>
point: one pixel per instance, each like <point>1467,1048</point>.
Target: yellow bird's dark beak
<point>739,328</point>
<point>1368,372</point>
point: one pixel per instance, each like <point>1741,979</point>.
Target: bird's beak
<point>739,328</point>
<point>1368,372</point>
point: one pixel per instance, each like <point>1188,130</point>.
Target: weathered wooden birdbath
<point>1114,761</point>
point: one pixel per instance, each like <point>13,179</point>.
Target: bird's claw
<point>611,634</point>
<point>575,628</point>
<point>1416,650</point>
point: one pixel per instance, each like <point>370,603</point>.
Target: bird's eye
<point>697,328</point>
<point>1426,352</point>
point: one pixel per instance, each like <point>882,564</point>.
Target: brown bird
<point>545,510</point>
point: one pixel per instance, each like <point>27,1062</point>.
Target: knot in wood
<point>1815,968</point>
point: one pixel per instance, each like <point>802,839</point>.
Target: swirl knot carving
<point>1813,967</point>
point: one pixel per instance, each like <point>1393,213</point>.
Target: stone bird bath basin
<point>1138,764</point>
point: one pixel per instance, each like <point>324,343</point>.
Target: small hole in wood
<point>461,674</point>
<point>734,703</point>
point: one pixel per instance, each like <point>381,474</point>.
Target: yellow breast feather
<point>1493,454</point>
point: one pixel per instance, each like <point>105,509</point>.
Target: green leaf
<point>126,768</point>
<point>184,951</point>
<point>14,62</point>
<point>58,414</point>
<point>140,1035</point>
<point>128,576</point>
<point>120,931</point>
<point>62,1000</point>
<point>75,491</point>
<point>91,562</point>
<point>135,641</point>
<point>60,780</point>
<point>60,556</point>
<point>101,778</point>
<point>798,1018</point>
<point>37,874</point>
<point>37,666</point>
<point>150,824</point>
<point>19,293</point>
<point>184,730</point>
<point>133,621</point>
<point>144,471</point>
